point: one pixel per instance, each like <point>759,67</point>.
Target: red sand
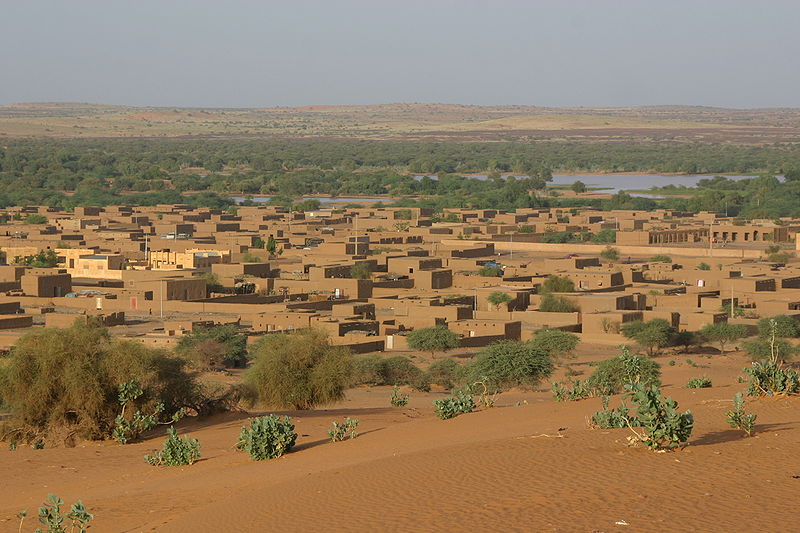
<point>532,467</point>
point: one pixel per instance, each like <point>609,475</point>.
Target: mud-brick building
<point>45,282</point>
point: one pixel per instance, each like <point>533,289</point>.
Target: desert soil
<point>528,464</point>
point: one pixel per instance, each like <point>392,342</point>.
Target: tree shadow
<point>325,413</point>
<point>730,435</point>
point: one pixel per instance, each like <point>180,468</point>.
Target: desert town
<point>369,275</point>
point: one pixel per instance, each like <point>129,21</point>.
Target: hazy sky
<point>249,53</point>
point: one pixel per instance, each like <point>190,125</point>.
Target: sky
<point>251,53</point>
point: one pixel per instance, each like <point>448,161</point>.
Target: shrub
<point>444,372</point>
<point>434,339</point>
<point>661,259</point>
<point>778,326</point>
<point>685,339</point>
<point>51,516</point>
<point>250,258</point>
<point>613,374</point>
<point>555,283</point>
<point>299,370</point>
<point>703,266</point>
<point>41,259</point>
<point>66,382</point>
<point>397,399</point>
<point>651,335</point>
<point>780,257</point>
<point>491,271</point>
<point>556,304</point>
<point>378,370</point>
<point>267,437</point>
<point>562,393</point>
<point>361,271</point>
<point>761,348</point>
<point>35,218</point>
<point>610,254</point>
<point>723,333</point>
<point>559,344</point>
<point>738,418</point>
<point>507,364</point>
<point>212,282</point>
<point>345,430</point>
<point>606,236</point>
<point>175,452</point>
<point>213,347</point>
<point>129,428</point>
<point>699,383</point>
<point>497,298</point>
<point>662,425</point>
<point>770,378</point>
<point>737,311</point>
<point>457,403</point>
<point>612,418</point>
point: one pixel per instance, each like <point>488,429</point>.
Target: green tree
<point>651,335</point>
<point>610,254</point>
<point>723,333</point>
<point>35,218</point>
<point>557,343</point>
<point>498,298</point>
<point>434,339</point>
<point>578,187</point>
<point>551,303</point>
<point>361,271</point>
<point>298,370</point>
<point>507,364</point>
<point>555,283</point>
<point>784,326</point>
<point>42,259</point>
<point>214,347</point>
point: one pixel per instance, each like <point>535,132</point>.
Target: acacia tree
<point>435,339</point>
<point>724,333</point>
<point>651,335</point>
<point>497,298</point>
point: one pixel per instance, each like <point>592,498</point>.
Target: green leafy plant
<point>559,344</point>
<point>444,372</point>
<point>613,418</point>
<point>551,303</point>
<point>126,429</point>
<point>176,451</point>
<point>611,375</point>
<point>579,390</point>
<point>344,430</point>
<point>699,383</point>
<point>703,266</point>
<point>433,339</point>
<point>662,425</point>
<point>498,298</point>
<point>738,418</point>
<point>267,437</point>
<point>506,364</point>
<point>771,378</point>
<point>610,254</point>
<point>723,333</point>
<point>397,399</point>
<point>555,283</point>
<point>51,516</point>
<point>398,370</point>
<point>459,402</point>
<point>651,335</point>
<point>661,259</point>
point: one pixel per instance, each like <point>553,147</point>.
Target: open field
<point>529,467</point>
<point>422,122</point>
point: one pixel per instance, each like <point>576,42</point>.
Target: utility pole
<point>161,285</point>
<point>512,246</point>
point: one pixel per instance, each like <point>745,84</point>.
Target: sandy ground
<point>529,464</point>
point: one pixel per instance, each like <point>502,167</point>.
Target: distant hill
<point>423,122</point>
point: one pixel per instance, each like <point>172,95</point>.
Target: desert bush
<point>267,437</point>
<point>457,403</point>
<point>781,326</point>
<point>211,348</point>
<point>699,383</point>
<point>610,254</point>
<point>378,370</point>
<point>53,518</point>
<point>497,298</point>
<point>661,259</point>
<point>361,271</point>
<point>703,266</point>
<point>723,333</point>
<point>176,451</point>
<point>579,390</point>
<point>344,430</point>
<point>771,378</point>
<point>444,372</point>
<point>299,370</point>
<point>738,418</point>
<point>507,364</point>
<point>555,283</point>
<point>611,375</point>
<point>397,399</point>
<point>556,304</point>
<point>129,428</point>
<point>559,344</point>
<point>651,335</point>
<point>760,348</point>
<point>434,339</point>
<point>686,339</point>
<point>662,425</point>
<point>64,382</point>
<point>491,271</point>
<point>612,418</point>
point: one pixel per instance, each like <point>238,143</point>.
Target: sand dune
<point>501,469</point>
